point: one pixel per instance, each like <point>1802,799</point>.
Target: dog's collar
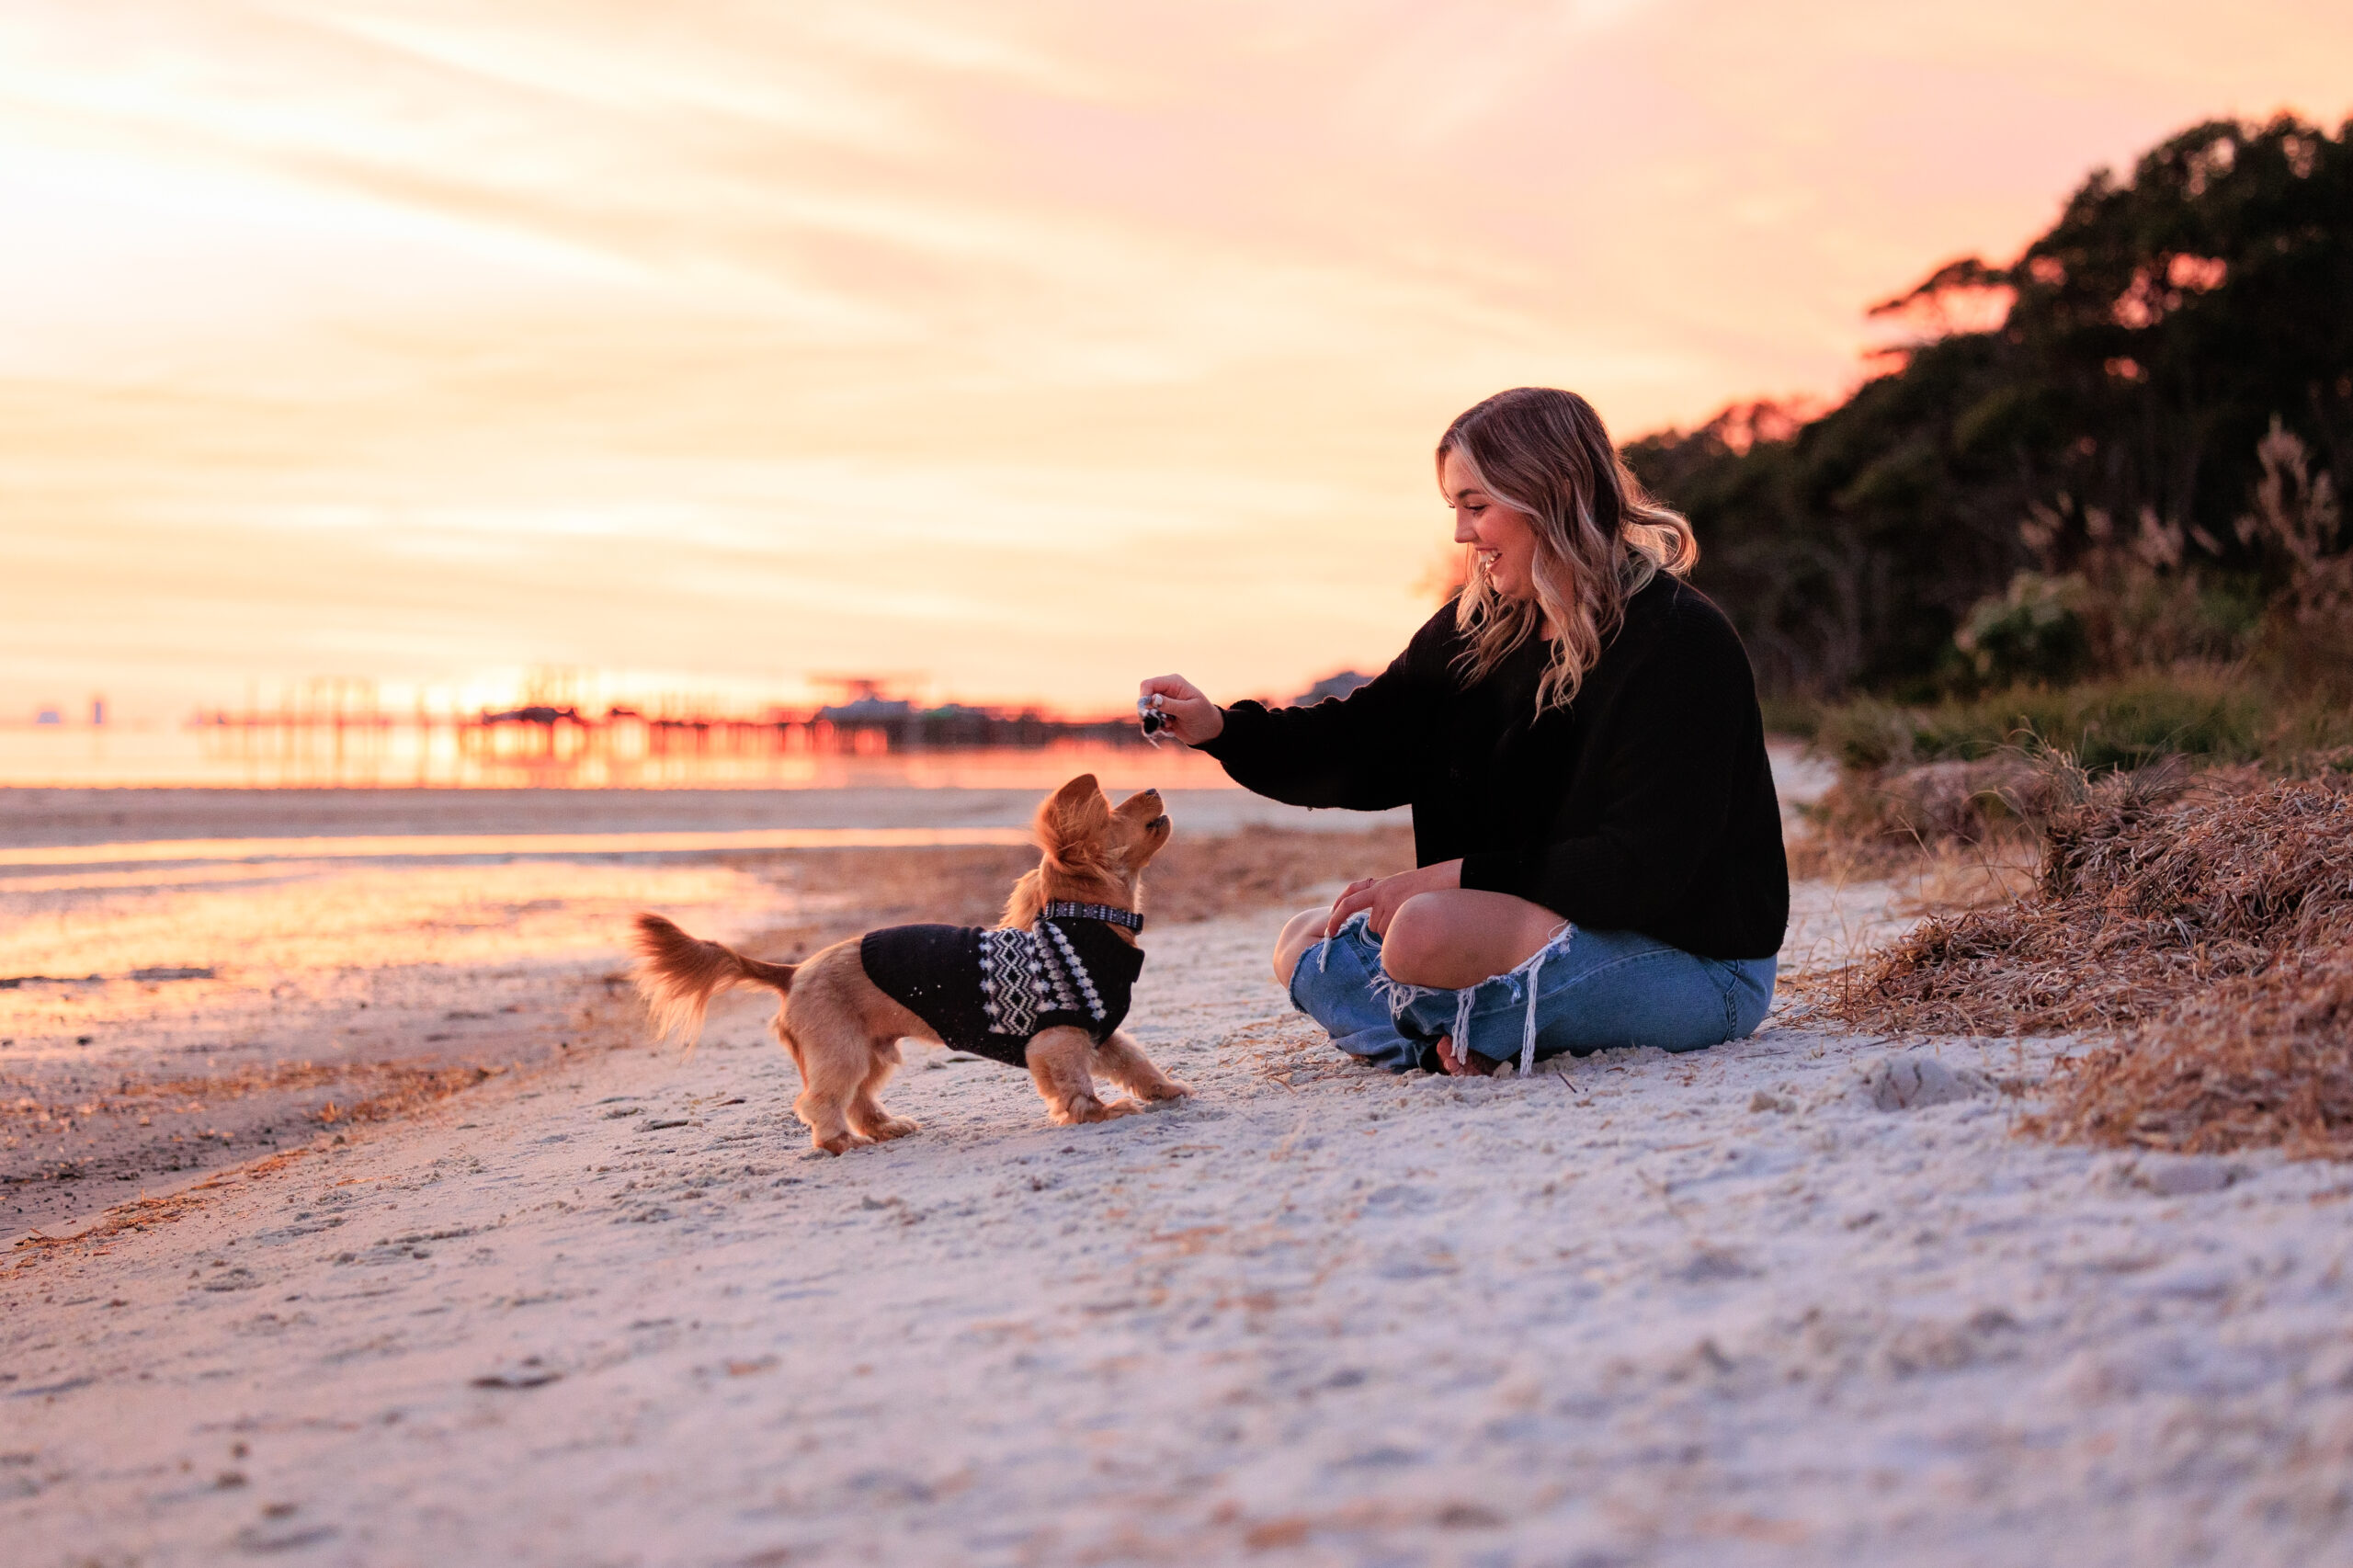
<point>1103,912</point>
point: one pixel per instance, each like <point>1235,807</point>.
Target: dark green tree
<point>2138,354</point>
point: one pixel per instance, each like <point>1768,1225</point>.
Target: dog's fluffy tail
<point>679,975</point>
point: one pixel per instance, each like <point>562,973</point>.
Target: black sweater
<point>1646,805</point>
<point>990,990</point>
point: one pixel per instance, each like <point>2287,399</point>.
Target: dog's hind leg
<point>833,1067</point>
<point>1124,1062</point>
<point>1061,1064</point>
<point>866,1113</point>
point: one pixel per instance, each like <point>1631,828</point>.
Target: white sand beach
<point>1803,1299</point>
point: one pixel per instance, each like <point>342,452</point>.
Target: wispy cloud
<point>760,338</point>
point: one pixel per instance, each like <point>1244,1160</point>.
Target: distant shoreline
<point>93,817</point>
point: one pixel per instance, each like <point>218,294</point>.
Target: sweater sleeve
<point>1358,753</point>
<point>1670,752</point>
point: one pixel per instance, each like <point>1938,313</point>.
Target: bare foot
<point>1477,1066</point>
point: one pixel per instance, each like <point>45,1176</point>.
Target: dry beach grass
<point>2206,924</point>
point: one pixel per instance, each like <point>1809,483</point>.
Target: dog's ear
<point>1072,822</point>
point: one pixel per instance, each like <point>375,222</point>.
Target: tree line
<point>2100,416</point>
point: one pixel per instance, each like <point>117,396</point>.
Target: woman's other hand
<point>1384,896</point>
<point>1193,717</point>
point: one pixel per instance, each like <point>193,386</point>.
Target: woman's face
<point>1504,540</point>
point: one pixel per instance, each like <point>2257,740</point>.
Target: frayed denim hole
<point>1397,994</point>
<point>1359,922</point>
<point>1465,999</point>
<point>1527,976</point>
<point>1528,1030</point>
<point>1523,983</point>
<point>1520,983</point>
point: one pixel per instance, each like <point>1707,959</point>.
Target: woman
<point>1598,838</point>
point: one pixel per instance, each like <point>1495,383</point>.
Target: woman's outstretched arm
<point>1365,752</point>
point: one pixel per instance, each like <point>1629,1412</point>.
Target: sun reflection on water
<point>297,915</point>
<point>176,755</point>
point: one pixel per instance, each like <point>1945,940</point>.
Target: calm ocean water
<point>182,756</point>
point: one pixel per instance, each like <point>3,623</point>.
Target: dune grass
<point>2204,928</point>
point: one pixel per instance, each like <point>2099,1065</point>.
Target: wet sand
<point>316,992</point>
<point>165,1016</point>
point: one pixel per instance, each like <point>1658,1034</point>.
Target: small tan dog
<point>1065,941</point>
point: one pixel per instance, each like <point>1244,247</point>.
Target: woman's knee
<point>1421,945</point>
<point>1300,932</point>
<point>1449,939</point>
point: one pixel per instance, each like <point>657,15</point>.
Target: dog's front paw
<point>892,1127</point>
<point>1168,1089</point>
<point>840,1142</point>
<point>1087,1108</point>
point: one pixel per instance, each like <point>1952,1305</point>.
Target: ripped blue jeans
<point>1582,991</point>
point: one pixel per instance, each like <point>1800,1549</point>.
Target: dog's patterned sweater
<point>988,989</point>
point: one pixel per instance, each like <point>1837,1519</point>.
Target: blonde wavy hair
<point>1600,537</point>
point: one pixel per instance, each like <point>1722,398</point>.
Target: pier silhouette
<point>334,732</point>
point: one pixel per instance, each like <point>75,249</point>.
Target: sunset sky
<point>1024,349</point>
